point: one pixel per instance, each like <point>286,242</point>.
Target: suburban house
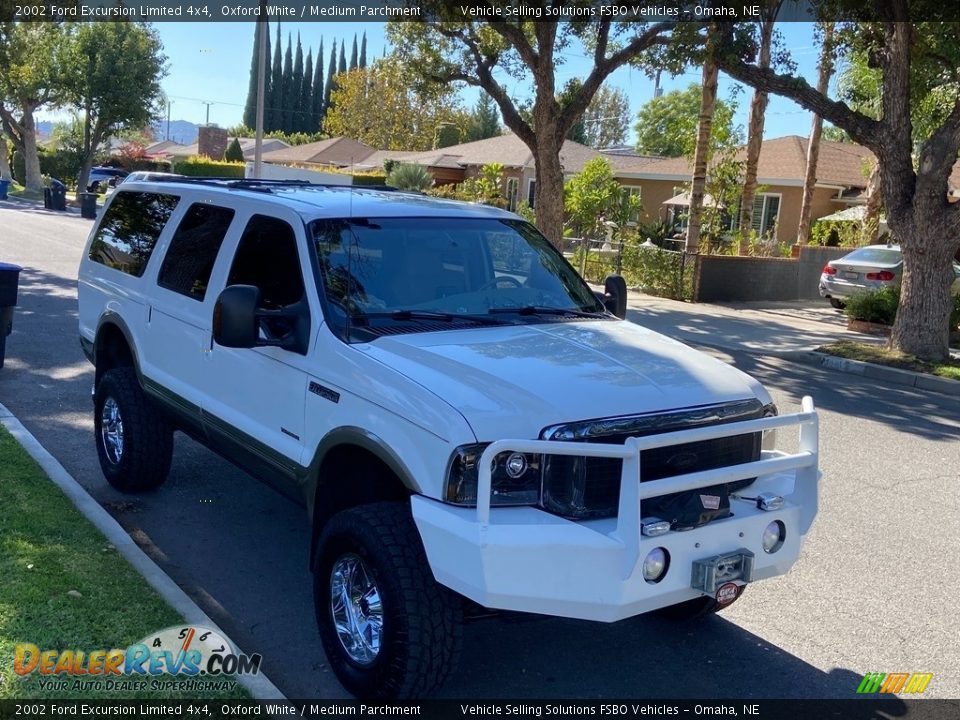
<point>842,172</point>
<point>333,152</point>
<point>247,145</point>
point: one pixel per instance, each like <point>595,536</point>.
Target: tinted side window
<point>267,258</point>
<point>193,250</point>
<point>130,230</point>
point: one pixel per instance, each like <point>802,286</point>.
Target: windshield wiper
<point>424,315</point>
<point>539,310</point>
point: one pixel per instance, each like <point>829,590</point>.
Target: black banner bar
<point>861,709</point>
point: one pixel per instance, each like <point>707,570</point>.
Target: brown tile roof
<point>783,159</point>
<point>247,145</point>
<point>338,151</point>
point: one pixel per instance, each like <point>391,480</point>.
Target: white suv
<point>461,415</point>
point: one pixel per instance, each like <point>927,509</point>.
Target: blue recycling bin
<point>9,280</point>
<point>4,186</point>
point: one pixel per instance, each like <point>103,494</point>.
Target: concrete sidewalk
<point>768,328</point>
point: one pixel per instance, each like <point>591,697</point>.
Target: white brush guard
<point>522,558</point>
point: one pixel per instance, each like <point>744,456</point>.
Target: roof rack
<point>265,185</point>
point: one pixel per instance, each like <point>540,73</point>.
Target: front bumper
<point>522,558</point>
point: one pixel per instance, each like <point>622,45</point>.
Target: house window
<point>513,189</point>
<point>633,191</point>
<point>766,208</point>
<point>532,193</point>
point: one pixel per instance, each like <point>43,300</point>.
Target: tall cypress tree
<point>342,67</point>
<point>363,51</point>
<point>267,85</point>
<point>306,95</point>
<point>276,87</point>
<point>353,54</point>
<point>331,71</point>
<point>250,108</point>
<point>290,94</point>
<point>316,115</point>
<point>296,107</point>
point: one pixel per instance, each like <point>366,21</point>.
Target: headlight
<point>655,565</point>
<point>769,441</point>
<point>581,488</point>
<point>515,477</point>
<point>773,536</point>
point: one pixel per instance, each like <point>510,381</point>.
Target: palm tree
<point>708,103</point>
<point>410,176</point>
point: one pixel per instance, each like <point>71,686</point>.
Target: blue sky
<point>210,62</point>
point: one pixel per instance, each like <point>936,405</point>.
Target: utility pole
<point>208,104</point>
<point>261,88</point>
<point>168,119</point>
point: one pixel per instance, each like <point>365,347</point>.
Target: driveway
<point>873,590</point>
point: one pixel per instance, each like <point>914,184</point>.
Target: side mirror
<point>235,316</point>
<point>615,295</point>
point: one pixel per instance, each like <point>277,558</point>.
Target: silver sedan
<point>867,268</point>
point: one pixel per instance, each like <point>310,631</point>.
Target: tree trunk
<point>758,109</point>
<point>813,144</point>
<point>921,327</point>
<point>549,173</point>
<point>708,103</point>
<point>33,179</point>
<point>88,152</point>
<point>871,213</point>
<point>5,173</point>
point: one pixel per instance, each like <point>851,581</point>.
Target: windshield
<point>455,268</point>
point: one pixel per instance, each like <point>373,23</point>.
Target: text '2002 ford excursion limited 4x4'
<point>461,415</point>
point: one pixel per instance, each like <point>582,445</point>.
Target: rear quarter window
<point>130,230</point>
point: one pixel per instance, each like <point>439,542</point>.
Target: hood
<point>512,381</point>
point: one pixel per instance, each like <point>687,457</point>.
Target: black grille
<point>597,494</point>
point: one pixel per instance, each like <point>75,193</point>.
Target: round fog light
<point>773,536</point>
<point>655,565</point>
<point>516,465</point>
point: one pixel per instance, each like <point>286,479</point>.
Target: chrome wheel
<point>111,430</point>
<point>356,609</point>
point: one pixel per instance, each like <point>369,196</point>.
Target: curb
<point>259,686</point>
<point>895,376</point>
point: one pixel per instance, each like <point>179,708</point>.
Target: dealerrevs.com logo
<point>910,683</point>
<point>177,656</point>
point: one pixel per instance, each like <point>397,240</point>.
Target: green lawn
<point>49,552</point>
<point>881,356</point>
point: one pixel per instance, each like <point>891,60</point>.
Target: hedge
<point>204,167</point>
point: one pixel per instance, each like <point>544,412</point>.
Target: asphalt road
<point>875,589</point>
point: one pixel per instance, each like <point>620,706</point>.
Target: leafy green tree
<point>275,107</point>
<point>114,81</point>
<point>296,108</point>
<point>594,196</point>
<point>382,107</point>
<point>484,120</point>
<point>34,58</point>
<point>409,176</point>
<point>234,152</point>
<point>250,108</point>
<point>331,73</point>
<point>607,118</point>
<point>490,54</point>
<point>306,95</point>
<point>667,125</point>
<point>919,64</point>
<point>290,91</point>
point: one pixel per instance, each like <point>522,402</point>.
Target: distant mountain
<point>181,131</point>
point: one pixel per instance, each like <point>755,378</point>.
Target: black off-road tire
<point>695,609</point>
<point>422,620</point>
<point>144,462</point>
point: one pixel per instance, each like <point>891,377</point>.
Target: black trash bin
<point>47,199</point>
<point>88,205</point>
<point>58,195</point>
<point>9,280</point>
